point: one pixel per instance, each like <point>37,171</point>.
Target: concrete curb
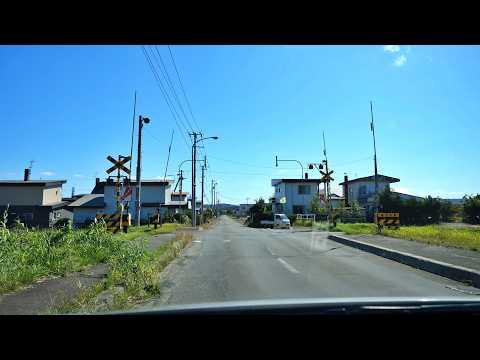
<point>454,272</point>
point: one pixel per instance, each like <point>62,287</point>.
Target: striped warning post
<point>111,220</point>
<point>390,220</point>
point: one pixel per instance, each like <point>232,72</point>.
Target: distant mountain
<point>454,201</point>
<point>224,206</point>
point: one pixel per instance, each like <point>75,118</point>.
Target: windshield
<point>137,177</point>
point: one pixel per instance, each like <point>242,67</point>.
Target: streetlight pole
<point>203,179</point>
<point>194,169</point>
<point>372,127</point>
<point>141,121</point>
<point>276,164</point>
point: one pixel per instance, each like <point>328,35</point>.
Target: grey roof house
<point>34,202</point>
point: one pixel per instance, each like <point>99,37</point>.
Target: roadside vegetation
<point>29,255</point>
<point>133,277</point>
<point>462,237</point>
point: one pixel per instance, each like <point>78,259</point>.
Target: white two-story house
<point>155,196</point>
<point>362,190</point>
<point>293,196</point>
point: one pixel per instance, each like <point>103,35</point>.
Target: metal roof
<point>372,178</point>
<point>89,201</point>
<point>32,182</point>
<point>144,182</point>
<point>315,181</point>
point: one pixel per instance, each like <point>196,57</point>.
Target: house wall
<point>52,195</point>
<point>21,195</point>
<point>354,190</point>
<point>290,192</point>
<point>80,215</point>
<point>30,215</point>
<point>149,194</point>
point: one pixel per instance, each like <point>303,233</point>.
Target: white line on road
<point>288,266</point>
<point>226,240</point>
<point>197,241</point>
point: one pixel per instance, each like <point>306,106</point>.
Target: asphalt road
<point>231,262</point>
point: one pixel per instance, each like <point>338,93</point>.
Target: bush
<point>28,255</point>
<point>471,209</point>
<point>64,222</point>
<point>412,211</point>
<point>260,211</point>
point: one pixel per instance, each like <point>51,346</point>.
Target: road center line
<point>288,266</point>
<point>226,240</point>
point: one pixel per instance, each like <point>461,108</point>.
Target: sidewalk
<point>456,264</point>
<point>459,257</point>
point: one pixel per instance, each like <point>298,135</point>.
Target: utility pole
<point>203,179</point>
<point>212,189</point>
<point>141,121</point>
<point>326,183</point>
<point>194,170</point>
<point>372,127</point>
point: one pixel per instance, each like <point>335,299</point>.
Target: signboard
<point>126,194</point>
<point>388,219</point>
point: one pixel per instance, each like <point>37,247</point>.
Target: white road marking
<point>197,241</point>
<point>288,266</point>
<point>270,251</point>
<point>226,240</point>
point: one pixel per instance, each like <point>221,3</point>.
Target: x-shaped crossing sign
<point>326,176</point>
<point>119,164</point>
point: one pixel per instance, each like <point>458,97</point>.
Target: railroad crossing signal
<point>326,176</point>
<point>119,164</point>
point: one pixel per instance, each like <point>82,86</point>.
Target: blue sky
<point>68,107</point>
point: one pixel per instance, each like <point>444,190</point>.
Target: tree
<point>447,211</point>
<point>315,204</point>
<point>471,209</point>
<point>260,211</point>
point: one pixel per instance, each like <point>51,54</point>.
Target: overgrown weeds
<point>133,277</point>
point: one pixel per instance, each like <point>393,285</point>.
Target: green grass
<point>359,228</point>
<point>27,255</point>
<point>464,238</point>
<point>135,232</point>
<point>133,270</point>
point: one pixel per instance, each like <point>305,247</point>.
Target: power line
<point>181,86</point>
<point>172,58</point>
<point>159,84</point>
<point>172,88</point>
<point>152,54</point>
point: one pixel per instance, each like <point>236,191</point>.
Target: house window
<point>298,209</point>
<point>362,190</point>
<point>304,189</point>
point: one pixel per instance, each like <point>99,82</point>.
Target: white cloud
<point>47,173</point>
<point>400,60</point>
<point>391,48</point>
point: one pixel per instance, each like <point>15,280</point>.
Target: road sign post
<point>119,165</point>
<point>389,219</point>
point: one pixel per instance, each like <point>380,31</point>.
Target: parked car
<point>279,220</point>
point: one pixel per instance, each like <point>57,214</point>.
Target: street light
<point>277,160</point>
<point>141,121</point>
<point>194,170</point>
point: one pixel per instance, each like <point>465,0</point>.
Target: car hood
<point>357,305</point>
